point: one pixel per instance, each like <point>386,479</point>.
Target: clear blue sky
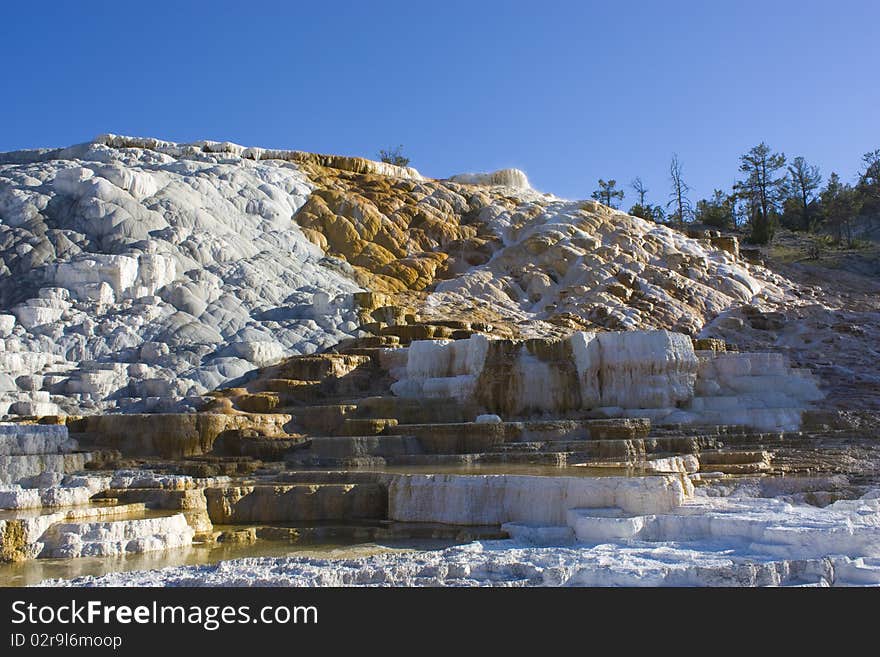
<point>567,91</point>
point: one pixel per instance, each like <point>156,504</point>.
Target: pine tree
<point>803,180</point>
<point>869,183</point>
<point>762,190</point>
<point>607,192</point>
<point>840,205</point>
<point>717,211</point>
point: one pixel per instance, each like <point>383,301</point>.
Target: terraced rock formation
<point>136,275</point>
<point>205,344</point>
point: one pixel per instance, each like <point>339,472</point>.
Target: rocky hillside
<point>138,274</point>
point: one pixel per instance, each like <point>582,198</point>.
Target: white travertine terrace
<point>499,499</point>
<point>107,538</point>
<point>503,178</point>
<point>30,450</point>
<point>45,507</point>
<point>655,374</point>
<point>708,541</point>
<point>138,274</point>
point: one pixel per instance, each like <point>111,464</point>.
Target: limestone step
<point>701,429</point>
<point>415,411</point>
<point>103,512</point>
<point>330,477</point>
<point>349,463</point>
<point>330,391</point>
<point>115,537</point>
<point>618,453</point>
<point>44,497</point>
<point>169,435</point>
<point>286,392</point>
<point>618,428</point>
<point>733,457</point>
<point>671,445</point>
<point>232,467</point>
<point>366,426</point>
<point>451,439</point>
<point>369,300</point>
<point>378,531</point>
<point>318,367</point>
<point>21,532</point>
<point>735,462</point>
<point>156,498</point>
<point>23,439</point>
<point>261,402</point>
<point>461,437</point>
<point>409,332</point>
<point>296,503</point>
<point>13,468</point>
<point>322,419</point>
<point>455,438</point>
<point>372,327</point>
<point>552,459</point>
<point>591,429</point>
<point>774,439</point>
<point>604,524</point>
<point>263,448</point>
<point>32,408</point>
<point>562,453</point>
<point>454,324</point>
<point>369,342</point>
<point>392,314</point>
<point>373,353</point>
<point>329,447</point>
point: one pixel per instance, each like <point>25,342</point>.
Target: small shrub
<point>394,156</point>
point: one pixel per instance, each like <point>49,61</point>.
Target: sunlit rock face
<point>497,499</point>
<point>640,369</point>
<point>139,271</point>
<point>171,435</point>
<point>583,265</point>
<point>105,538</point>
<point>83,531</point>
<point>654,374</point>
<point>51,507</point>
<point>503,178</point>
<point>31,450</point>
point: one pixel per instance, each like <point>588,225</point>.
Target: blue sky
<point>567,91</point>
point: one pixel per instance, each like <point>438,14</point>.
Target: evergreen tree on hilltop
<point>762,189</point>
<point>799,210</point>
<point>841,203</point>
<point>717,211</point>
<point>608,192</point>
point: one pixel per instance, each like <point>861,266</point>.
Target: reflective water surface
<point>36,570</point>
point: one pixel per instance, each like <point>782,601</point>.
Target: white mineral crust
<point>187,254</point>
<point>735,542</point>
